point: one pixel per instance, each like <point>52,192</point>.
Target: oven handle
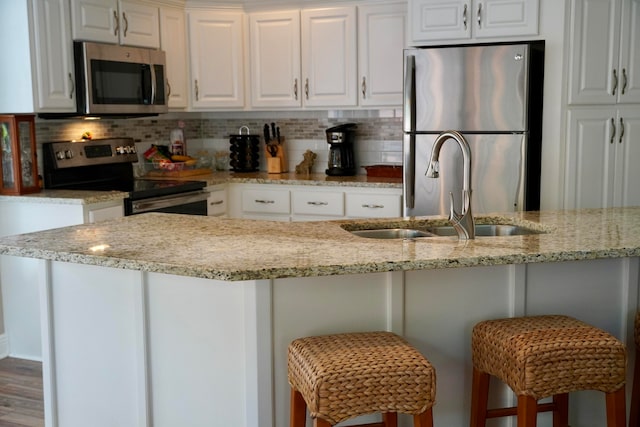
<point>155,203</point>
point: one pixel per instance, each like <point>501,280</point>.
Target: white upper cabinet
<point>173,42</point>
<point>216,56</point>
<point>443,20</point>
<point>38,73</point>
<point>275,59</point>
<point>381,39</point>
<point>329,57</point>
<point>605,53</point>
<point>113,21</point>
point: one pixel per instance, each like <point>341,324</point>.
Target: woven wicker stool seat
<point>543,356</point>
<point>634,412</point>
<point>343,376</point>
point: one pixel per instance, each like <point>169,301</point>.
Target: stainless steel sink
<point>391,233</point>
<point>487,230</point>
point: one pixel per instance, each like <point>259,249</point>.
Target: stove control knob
<point>127,149</point>
<point>60,155</point>
<point>120,150</point>
<point>133,149</point>
<point>68,154</point>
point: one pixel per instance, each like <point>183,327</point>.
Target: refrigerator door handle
<point>409,182</point>
<point>410,94</point>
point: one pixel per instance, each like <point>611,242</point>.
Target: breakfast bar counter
<point>165,320</point>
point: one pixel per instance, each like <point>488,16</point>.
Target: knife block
<point>277,164</point>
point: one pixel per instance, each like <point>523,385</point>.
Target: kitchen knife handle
<point>117,22</point>
<point>615,82</point>
<point>295,88</point>
<point>613,131</point>
<point>464,16</point>
<point>479,15</point>
<point>364,87</point>
<point>197,91</point>
<point>73,86</point>
<point>126,23</point>
<point>624,81</point>
<point>306,88</point>
<point>621,130</point>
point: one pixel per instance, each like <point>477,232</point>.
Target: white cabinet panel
<point>373,205</point>
<point>329,57</point>
<point>139,25</point>
<point>173,40</point>
<point>318,203</point>
<point>381,38</point>
<point>215,49</point>
<point>630,53</point>
<point>439,20</point>
<point>217,201</point>
<point>275,59</point>
<point>496,18</point>
<point>266,201</point>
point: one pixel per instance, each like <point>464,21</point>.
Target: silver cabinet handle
<point>621,130</point>
<point>613,131</point>
<point>464,16</point>
<point>73,86</point>
<point>117,21</point>
<point>197,91</point>
<point>624,80</point>
<point>264,202</point>
<point>318,203</point>
<point>217,202</point>
<point>615,82</point>
<point>306,88</point>
<point>364,87</point>
<point>295,88</point>
<point>126,23</point>
<point>372,206</point>
<point>168,89</point>
<point>479,15</point>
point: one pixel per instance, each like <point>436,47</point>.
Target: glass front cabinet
<point>19,165</point>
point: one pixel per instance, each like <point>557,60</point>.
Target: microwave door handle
<point>152,70</point>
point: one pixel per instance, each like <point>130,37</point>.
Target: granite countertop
<point>236,249</point>
<point>67,197</point>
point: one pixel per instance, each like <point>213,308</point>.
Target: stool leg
<point>298,409</point>
<point>424,419</point>
<point>561,411</point>
<point>616,411</point>
<point>319,422</point>
<point>390,419</point>
<point>634,413</point>
<point>527,411</point>
<point>479,398</point>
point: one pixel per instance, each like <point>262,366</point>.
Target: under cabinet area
<point>116,21</point>
<point>276,202</point>
<point>460,20</point>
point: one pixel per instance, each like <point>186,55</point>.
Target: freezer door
<point>473,88</point>
<point>497,174</point>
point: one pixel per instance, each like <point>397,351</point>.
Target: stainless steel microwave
<point>113,80</point>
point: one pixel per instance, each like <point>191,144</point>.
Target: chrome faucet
<point>463,222</point>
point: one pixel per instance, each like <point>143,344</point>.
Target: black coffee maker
<point>341,158</point>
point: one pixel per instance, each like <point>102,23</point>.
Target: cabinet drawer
<point>318,203</point>
<point>374,205</point>
<point>217,203</point>
<point>266,201</point>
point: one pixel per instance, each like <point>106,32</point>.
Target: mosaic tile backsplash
<point>378,140</point>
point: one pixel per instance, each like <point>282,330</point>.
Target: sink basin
<point>391,233</point>
<point>487,230</point>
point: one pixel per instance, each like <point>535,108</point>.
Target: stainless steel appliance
<point>341,157</point>
<point>107,164</point>
<point>492,95</point>
<point>119,80</point>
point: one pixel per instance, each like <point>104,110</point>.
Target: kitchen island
<point>171,320</point>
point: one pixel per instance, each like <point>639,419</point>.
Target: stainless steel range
<point>107,164</point>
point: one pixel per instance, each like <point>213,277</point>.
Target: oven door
<point>191,203</point>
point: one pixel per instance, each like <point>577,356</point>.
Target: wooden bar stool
<point>342,376</point>
<point>634,413</point>
<point>543,356</point>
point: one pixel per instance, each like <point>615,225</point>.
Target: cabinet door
<point>215,49</point>
<point>381,38</point>
<point>629,91</point>
<point>329,57</point>
<point>627,154</point>
<point>275,59</point>
<point>591,147</point>
<point>173,40</point>
<point>139,25</point>
<point>95,20</point>
<point>432,20</point>
<point>594,46</point>
<point>54,88</point>
<point>495,18</point>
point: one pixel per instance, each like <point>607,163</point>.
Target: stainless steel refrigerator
<point>492,94</point>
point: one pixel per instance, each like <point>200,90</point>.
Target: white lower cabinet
<point>277,202</point>
<point>217,200</point>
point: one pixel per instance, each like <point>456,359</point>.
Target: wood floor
<point>21,393</point>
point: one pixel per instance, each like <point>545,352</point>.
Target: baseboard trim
<point>4,346</point>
